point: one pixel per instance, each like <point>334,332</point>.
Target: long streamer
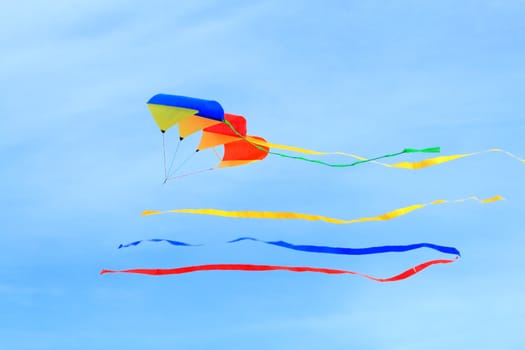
<point>263,145</point>
<point>425,163</point>
<point>299,216</point>
<point>403,165</point>
<point>315,248</point>
<point>249,267</point>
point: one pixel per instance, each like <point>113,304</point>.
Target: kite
<point>300,216</point>
<point>192,115</point>
<point>218,128</point>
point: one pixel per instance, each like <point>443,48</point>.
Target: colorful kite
<point>218,128</point>
<point>192,115</point>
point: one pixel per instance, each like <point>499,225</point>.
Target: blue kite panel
<point>207,108</point>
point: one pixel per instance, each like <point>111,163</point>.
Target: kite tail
<point>315,248</point>
<point>262,145</point>
<point>401,165</point>
<point>425,163</point>
<point>249,267</point>
<point>300,216</point>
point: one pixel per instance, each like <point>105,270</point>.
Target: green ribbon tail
<point>345,165</point>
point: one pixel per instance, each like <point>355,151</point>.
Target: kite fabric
<point>168,110</point>
<point>299,216</point>
<point>241,152</point>
<point>315,248</point>
<point>249,267</point>
<point>220,134</point>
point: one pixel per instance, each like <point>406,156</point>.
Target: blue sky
<point>81,158</point>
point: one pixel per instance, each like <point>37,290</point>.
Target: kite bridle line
<point>164,155</point>
<point>190,173</point>
<point>216,154</point>
<point>174,156</point>
<point>169,173</point>
<point>188,158</point>
<point>167,170</point>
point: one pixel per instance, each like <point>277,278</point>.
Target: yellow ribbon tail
<point>425,163</point>
<point>151,212</point>
<point>300,216</point>
<point>299,149</point>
